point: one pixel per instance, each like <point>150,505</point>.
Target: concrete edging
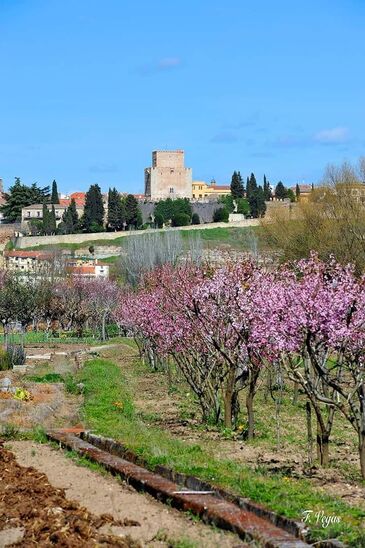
<point>212,508</point>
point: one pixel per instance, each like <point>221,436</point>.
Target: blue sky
<point>90,87</point>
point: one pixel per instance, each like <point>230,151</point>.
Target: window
<point>171,190</point>
<point>28,213</point>
<point>38,213</point>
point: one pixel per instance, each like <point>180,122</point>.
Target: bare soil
<point>130,513</point>
<point>34,513</point>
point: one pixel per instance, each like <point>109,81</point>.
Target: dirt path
<point>100,494</point>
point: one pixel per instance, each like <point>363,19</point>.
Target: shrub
<point>159,220</point>
<point>16,353</point>
<point>195,220</point>
<point>5,360</point>
<point>221,215</point>
<point>181,219</point>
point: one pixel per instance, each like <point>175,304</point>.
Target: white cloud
<point>333,135</point>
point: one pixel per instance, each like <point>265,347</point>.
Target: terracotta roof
<point>85,269</point>
<point>42,255</point>
<point>220,187</point>
<point>64,202</point>
<point>79,198</point>
<point>303,188</point>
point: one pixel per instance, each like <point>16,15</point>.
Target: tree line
<point>123,211</point>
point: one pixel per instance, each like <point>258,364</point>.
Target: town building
<point>35,211</point>
<point>202,190</point>
<point>305,191</point>
<point>43,262</point>
<point>87,268</point>
<point>31,262</point>
<point>168,177</point>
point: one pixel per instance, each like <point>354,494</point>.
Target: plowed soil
<point>34,513</point>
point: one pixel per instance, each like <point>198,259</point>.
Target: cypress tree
<point>267,189</point>
<point>257,202</point>
<point>93,218</point>
<point>70,219</point>
<point>54,196</point>
<point>52,221</point>
<point>46,219</point>
<point>116,210</point>
<point>251,185</point>
<point>297,192</point>
<point>132,212</point>
<point>237,188</point>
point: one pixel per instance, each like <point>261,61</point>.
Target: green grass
<point>234,236</point>
<point>105,387</point>
<point>47,378</point>
<point>35,337</point>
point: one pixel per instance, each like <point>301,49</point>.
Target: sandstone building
<point>203,191</point>
<point>168,177</point>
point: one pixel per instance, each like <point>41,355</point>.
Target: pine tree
<point>38,195</point>
<point>54,196</point>
<point>20,196</point>
<point>132,212</point>
<point>93,218</point>
<point>297,192</point>
<point>237,188</point>
<point>116,210</point>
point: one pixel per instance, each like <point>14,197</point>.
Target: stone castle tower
<point>168,177</point>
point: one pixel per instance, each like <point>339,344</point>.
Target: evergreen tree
<point>169,209</point>
<point>281,192</point>
<point>38,195</point>
<point>46,220</point>
<point>237,188</point>
<point>70,219</point>
<point>20,196</point>
<point>297,192</point>
<point>93,218</point>
<point>52,220</point>
<point>251,186</point>
<point>116,210</point>
<point>133,214</point>
<point>54,196</point>
<point>257,202</point>
<point>267,190</point>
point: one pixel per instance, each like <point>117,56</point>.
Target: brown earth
<point>158,524</point>
<point>34,513</point>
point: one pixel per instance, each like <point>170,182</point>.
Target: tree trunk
<point>362,453</point>
<point>250,415</point>
<point>325,449</point>
<point>296,392</point>
<point>228,409</point>
<point>309,432</point>
<point>103,330</point>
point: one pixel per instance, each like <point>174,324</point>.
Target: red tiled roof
<point>303,188</point>
<point>79,198</point>
<point>220,187</point>
<point>28,254</point>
